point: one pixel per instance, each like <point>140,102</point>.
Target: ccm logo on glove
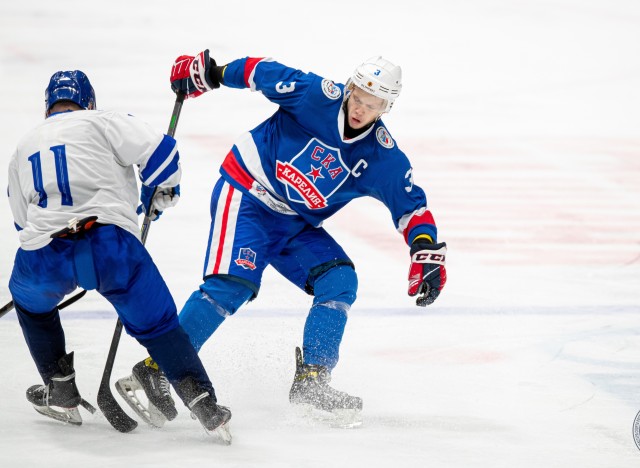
<point>429,257</point>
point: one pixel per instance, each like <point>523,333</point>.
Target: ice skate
<point>59,399</point>
<point>213,417</point>
<point>147,378</point>
<point>311,390</point>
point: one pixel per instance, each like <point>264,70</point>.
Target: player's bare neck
<point>63,106</point>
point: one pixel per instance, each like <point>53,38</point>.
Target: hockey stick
<point>6,309</point>
<point>107,403</point>
<point>10,306</point>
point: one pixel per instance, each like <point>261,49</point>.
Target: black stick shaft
<point>109,406</point>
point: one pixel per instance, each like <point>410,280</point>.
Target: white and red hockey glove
<point>192,76</point>
<point>427,273</point>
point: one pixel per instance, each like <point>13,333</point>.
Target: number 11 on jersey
<point>62,175</point>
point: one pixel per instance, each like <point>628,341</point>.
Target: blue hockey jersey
<point>299,162</point>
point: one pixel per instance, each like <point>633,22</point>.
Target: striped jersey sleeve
<point>135,142</point>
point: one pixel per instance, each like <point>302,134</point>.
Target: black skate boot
<point>146,376</point>
<point>213,417</point>
<point>311,387</point>
<point>61,392</point>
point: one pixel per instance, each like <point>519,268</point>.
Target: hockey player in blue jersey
<point>73,194</point>
<point>325,146</point>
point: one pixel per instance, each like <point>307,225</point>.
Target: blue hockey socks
<point>45,338</point>
<point>209,306</point>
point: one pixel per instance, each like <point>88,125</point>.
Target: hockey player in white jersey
<point>324,146</point>
<point>73,194</point>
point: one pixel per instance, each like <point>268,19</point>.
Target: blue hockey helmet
<point>71,86</point>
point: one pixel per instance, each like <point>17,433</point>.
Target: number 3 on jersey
<point>62,175</point>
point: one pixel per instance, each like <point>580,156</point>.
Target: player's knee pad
<point>338,285</point>
<point>228,294</point>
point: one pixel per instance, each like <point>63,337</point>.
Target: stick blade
<point>116,416</point>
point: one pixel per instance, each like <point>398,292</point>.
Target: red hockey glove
<point>191,75</point>
<point>427,274</point>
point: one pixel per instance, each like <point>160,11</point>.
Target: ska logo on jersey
<point>313,175</point>
<point>246,259</point>
<point>384,138</point>
<point>330,89</point>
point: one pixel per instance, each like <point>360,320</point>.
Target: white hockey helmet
<point>379,77</point>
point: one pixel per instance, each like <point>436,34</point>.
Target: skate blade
<point>221,434</point>
<point>346,419</point>
<point>338,418</point>
<point>127,388</point>
<point>65,415</point>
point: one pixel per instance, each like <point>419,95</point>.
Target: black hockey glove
<point>427,274</point>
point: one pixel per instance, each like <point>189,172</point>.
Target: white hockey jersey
<point>79,164</point>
